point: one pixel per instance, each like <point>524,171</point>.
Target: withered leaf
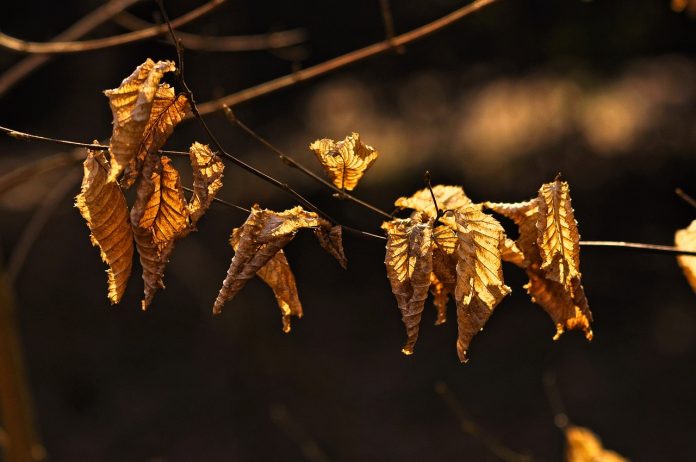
<point>409,262</point>
<point>131,105</point>
<point>103,206</point>
<point>480,285</point>
<point>158,217</point>
<point>344,161</point>
<point>444,277</point>
<point>168,109</point>
<point>207,179</point>
<point>447,197</point>
<point>565,302</point>
<point>331,239</point>
<point>261,237</point>
<point>686,239</point>
<point>280,278</point>
<point>584,446</point>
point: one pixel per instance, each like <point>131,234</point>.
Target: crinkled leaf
<point>447,197</point>
<point>409,262</point>
<point>444,277</point>
<point>331,239</point>
<point>131,105</point>
<point>480,285</point>
<point>260,238</point>
<point>207,179</point>
<point>686,239</point>
<point>585,446</point>
<point>103,206</point>
<point>344,161</point>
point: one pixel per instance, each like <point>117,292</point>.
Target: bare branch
<point>22,46</point>
<point>649,248</point>
<point>688,199</point>
<point>232,43</point>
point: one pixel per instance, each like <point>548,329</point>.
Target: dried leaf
<point>686,239</point>
<point>131,105</point>
<point>331,239</point>
<point>447,197</point>
<point>558,238</point>
<point>158,217</point>
<point>345,161</point>
<point>444,277</point>
<point>103,206</point>
<point>565,302</point>
<point>207,179</point>
<point>480,285</point>
<point>260,238</point>
<point>409,262</point>
<point>168,109</point>
<point>585,446</point>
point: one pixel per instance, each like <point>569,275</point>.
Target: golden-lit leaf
<point>444,277</point>
<point>447,197</point>
<point>558,238</point>
<point>686,239</point>
<point>331,239</point>
<point>409,262</point>
<point>585,446</point>
<point>565,302</point>
<point>103,206</point>
<point>207,179</point>
<point>279,277</point>
<point>440,298</point>
<point>480,285</point>
<point>345,161</point>
<point>131,105</point>
<point>260,238</point>
<point>158,217</point>
<point>168,109</point>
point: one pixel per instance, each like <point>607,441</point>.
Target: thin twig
<point>472,429</point>
<point>232,43</point>
<point>688,199</point>
<point>388,20</point>
<point>649,248</point>
<point>289,161</point>
<point>341,61</point>
<point>37,223</point>
<point>223,202</point>
<point>23,46</point>
<point>83,26</point>
<point>438,213</point>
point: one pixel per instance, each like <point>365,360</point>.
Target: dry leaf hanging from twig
<point>330,238</point>
<point>258,241</point>
<point>444,277</point>
<point>447,197</point>
<point>207,179</point>
<point>345,161</point>
<point>585,446</point>
<point>131,105</point>
<point>103,206</point>
<point>686,239</point>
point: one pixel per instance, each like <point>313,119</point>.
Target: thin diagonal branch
<point>341,61</point>
<point>231,43</point>
<point>23,46</point>
<point>83,26</point>
<point>688,199</point>
<point>649,248</point>
<point>289,161</point>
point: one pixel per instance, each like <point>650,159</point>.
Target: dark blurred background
<point>602,91</point>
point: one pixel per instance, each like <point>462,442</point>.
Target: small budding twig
<point>688,199</point>
<point>23,46</point>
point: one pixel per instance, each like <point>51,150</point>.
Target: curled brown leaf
<point>346,161</point>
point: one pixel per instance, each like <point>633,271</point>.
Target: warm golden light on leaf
<point>686,239</point>
<point>103,206</point>
<point>331,239</point>
<point>409,262</point>
<point>447,197</point>
<point>131,104</point>
<point>584,446</point>
<point>444,276</point>
<point>344,161</point>
<point>207,179</point>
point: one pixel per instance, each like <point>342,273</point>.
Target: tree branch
<point>23,46</point>
<point>341,61</point>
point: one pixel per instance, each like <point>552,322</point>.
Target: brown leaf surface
<point>258,241</point>
<point>158,217</point>
<point>447,197</point>
<point>102,204</point>
<point>686,239</point>
<point>409,262</point>
<point>207,179</point>
<point>585,446</point>
<point>331,239</point>
<point>345,161</point>
<point>131,105</point>
<point>480,285</point>
<point>444,277</point>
